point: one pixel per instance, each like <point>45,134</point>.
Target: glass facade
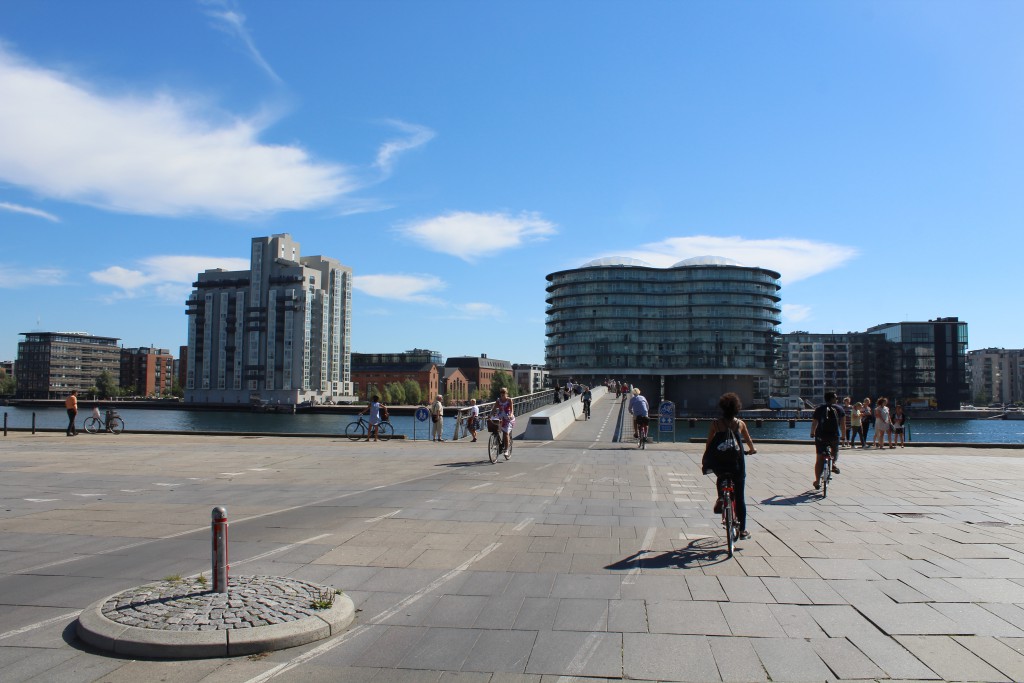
<point>615,318</point>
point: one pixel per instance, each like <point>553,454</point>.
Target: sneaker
<point>744,535</point>
<point>817,484</point>
<point>835,470</point>
<point>474,440</point>
<point>719,505</point>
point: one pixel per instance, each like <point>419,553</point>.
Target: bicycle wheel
<point>356,430</point>
<point>493,447</point>
<point>508,453</point>
<point>826,477</point>
<point>385,431</point>
<point>91,424</point>
<point>730,522</point>
<point>115,425</point>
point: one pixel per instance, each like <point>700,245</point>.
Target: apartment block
<point>147,371</point>
<point>51,364</point>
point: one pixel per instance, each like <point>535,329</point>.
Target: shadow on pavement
<point>472,463</point>
<point>806,497</point>
<point>699,552</point>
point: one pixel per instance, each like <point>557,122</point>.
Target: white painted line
<point>558,491</point>
<point>157,483</point>
<point>276,551</point>
<point>523,524</point>
<point>41,500</point>
<point>517,475</point>
<point>195,478</point>
<point>634,571</point>
<point>131,490</point>
<point>231,474</point>
<point>86,495</point>
<point>480,486</point>
<point>258,469</point>
<point>39,624</point>
<point>377,519</point>
<point>654,484</point>
<point>386,614</point>
<point>542,467</point>
<point>579,662</point>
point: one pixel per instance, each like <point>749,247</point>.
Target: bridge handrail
<point>521,405</point>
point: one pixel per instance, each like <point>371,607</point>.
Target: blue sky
<point>455,153</point>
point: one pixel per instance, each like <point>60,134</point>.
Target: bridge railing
<point>521,405</point>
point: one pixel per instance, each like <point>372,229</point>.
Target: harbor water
<point>939,430</point>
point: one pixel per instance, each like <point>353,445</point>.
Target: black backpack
<point>724,455</point>
<point>829,427</point>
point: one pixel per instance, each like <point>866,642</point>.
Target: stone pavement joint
<point>184,619</point>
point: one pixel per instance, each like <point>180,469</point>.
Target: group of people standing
<point>890,425</point>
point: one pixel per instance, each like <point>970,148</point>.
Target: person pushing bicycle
<point>826,430</point>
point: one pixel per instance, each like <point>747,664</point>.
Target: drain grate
<point>990,523</point>
<point>907,515</point>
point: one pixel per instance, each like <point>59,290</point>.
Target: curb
<point>132,641</point>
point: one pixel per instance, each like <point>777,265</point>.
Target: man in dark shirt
<point>826,430</point>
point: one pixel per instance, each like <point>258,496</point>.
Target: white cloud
<point>475,310</point>
<point>157,154</point>
<point>231,21</point>
<point>413,288</point>
<point>168,278</point>
<point>16,277</point>
<point>416,136</point>
<point>794,259</point>
<point>17,208</point>
<point>794,313</point>
<point>468,235</point>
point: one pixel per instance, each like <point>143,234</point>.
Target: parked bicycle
<point>359,429</point>
<point>494,443</point>
<point>112,424</point>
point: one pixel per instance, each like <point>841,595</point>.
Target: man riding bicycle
<point>638,408</point>
<point>586,397</point>
<point>826,430</point>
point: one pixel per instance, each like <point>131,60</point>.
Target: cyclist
<point>374,410</point>
<point>503,412</point>
<point>586,397</point>
<point>730,405</point>
<point>638,408</point>
<point>826,430</point>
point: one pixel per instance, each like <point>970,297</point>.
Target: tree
<point>503,380</point>
<point>412,392</point>
<point>8,385</point>
<point>176,390</point>
<point>396,393</point>
<point>106,387</point>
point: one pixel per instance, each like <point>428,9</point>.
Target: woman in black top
<point>730,405</point>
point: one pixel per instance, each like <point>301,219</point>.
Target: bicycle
<point>826,471</point>
<point>113,424</point>
<point>360,429</point>
<point>729,520</point>
<point>494,443</point>
<point>586,409</point>
<point>643,423</point>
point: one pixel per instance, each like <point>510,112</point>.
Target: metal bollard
<point>758,422</point>
<point>33,423</point>
<point>792,424</point>
<point>219,528</point>
<point>5,424</point>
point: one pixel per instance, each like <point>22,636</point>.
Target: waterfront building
<point>687,333</point>
<point>925,360</point>
<point>479,371</point>
<point>51,364</point>
<point>996,376</point>
<point>811,364</point>
<point>457,388</point>
<point>182,366</point>
<point>372,371</point>
<point>530,378</point>
<point>279,332</point>
<point>147,371</point>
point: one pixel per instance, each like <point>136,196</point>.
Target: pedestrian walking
<point>474,415</point>
<point>71,403</point>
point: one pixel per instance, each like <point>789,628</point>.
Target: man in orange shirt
<point>71,403</point>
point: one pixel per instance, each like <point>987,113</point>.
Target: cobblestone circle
<point>188,605</point>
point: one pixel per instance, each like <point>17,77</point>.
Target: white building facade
<point>278,333</point>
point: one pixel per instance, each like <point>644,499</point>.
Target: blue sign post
<point>421,416</point>
<point>667,419</point>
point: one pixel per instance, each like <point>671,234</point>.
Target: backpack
<point>724,454</point>
<point>384,414</point>
<point>829,427</point>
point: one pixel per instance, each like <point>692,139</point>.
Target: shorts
<point>642,420</point>
<point>821,444</point>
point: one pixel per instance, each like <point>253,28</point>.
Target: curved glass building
<point>686,333</point>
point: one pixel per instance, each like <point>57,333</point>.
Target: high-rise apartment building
<point>51,364</point>
<point>279,332</point>
<point>996,375</point>
<point>147,371</point>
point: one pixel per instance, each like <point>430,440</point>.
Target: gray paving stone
<point>819,592</point>
<point>948,658</point>
<point>705,588</point>
<point>737,661</point>
<point>891,657</point>
<point>442,649</point>
<point>579,614</point>
<point>796,621</point>
<point>388,650</point>
<point>668,657</point>
<point>745,589</point>
<point>911,619</point>
<point>485,583</point>
<point>501,651</point>
<point>785,590</point>
<point>842,620</point>
<point>749,619</point>
<point>627,616</point>
<point>788,659</point>
<point>586,586</point>
<point>687,618</point>
<point>530,585</point>
<point>458,611</point>
<point>977,620</point>
<point>990,590</point>
<point>570,653</point>
<point>499,612</point>
<point>997,654</point>
<point>537,614</point>
<point>845,660</point>
<point>648,587</point>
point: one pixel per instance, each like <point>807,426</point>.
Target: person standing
<point>826,428</point>
<point>437,415</point>
<point>881,421</point>
<point>374,410</point>
<point>867,416</point>
<point>847,423</point>
<point>71,404</point>
<point>729,422</point>
<point>899,421</point>
<point>504,413</point>
<point>474,415</point>
<point>857,424</point>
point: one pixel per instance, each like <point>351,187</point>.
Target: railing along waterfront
<point>521,405</point>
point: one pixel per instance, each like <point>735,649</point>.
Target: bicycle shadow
<point>805,497</point>
<point>470,463</point>
<point>697,553</point>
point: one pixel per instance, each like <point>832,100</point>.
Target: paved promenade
<point>577,560</point>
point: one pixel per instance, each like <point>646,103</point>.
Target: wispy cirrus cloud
<point>28,210</point>
<point>16,277</point>
<point>154,154</point>
<point>402,287</point>
<point>415,136</point>
<point>230,20</point>
<point>794,313</point>
<point>168,278</point>
<point>794,259</point>
<point>491,232</point>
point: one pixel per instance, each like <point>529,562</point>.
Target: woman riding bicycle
<point>730,405</point>
<point>503,413</point>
